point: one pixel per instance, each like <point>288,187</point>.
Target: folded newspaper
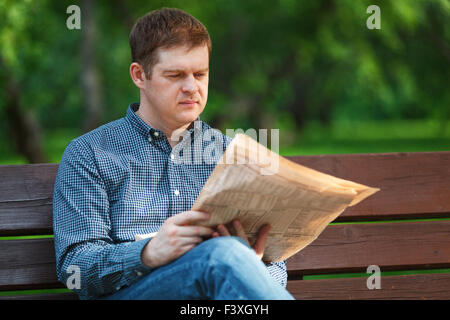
<point>256,185</point>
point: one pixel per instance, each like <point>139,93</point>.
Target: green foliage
<point>275,64</point>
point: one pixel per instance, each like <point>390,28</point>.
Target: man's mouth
<point>188,103</point>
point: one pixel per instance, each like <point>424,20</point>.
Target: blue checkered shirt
<point>113,183</point>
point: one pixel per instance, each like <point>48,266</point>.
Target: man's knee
<point>228,242</point>
<point>222,246</point>
<point>229,252</point>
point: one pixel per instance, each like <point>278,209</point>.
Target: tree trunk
<point>23,127</point>
<point>90,78</point>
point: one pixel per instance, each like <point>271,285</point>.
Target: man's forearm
<point>104,268</point>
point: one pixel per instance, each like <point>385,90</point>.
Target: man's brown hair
<point>165,28</point>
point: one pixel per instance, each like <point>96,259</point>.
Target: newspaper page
<point>256,185</point>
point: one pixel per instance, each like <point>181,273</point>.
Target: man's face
<point>178,88</point>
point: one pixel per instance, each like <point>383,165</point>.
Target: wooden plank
<point>340,248</point>
<point>406,287</point>
<point>27,182</point>
<point>49,296</point>
<point>26,193</point>
<point>391,246</point>
<point>28,264</point>
<point>412,184</point>
<point>26,218</point>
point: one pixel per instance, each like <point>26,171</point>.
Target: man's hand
<point>175,238</point>
<point>260,242</point>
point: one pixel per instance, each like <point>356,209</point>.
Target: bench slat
<point>26,193</point>
<point>26,218</point>
<point>422,286</point>
<point>27,182</point>
<point>28,264</point>
<point>412,185</point>
<point>340,248</point>
<point>391,246</point>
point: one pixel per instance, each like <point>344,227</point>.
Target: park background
<point>309,68</point>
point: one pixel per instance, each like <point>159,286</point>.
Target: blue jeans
<point>222,268</point>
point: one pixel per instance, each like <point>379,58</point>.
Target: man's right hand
<point>175,237</point>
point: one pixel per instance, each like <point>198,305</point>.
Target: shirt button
<point>149,139</point>
<point>156,134</point>
<point>139,273</point>
<point>177,192</point>
<point>172,156</point>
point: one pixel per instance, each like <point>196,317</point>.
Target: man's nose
<point>190,84</point>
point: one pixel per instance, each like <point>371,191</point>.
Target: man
<point>121,180</point>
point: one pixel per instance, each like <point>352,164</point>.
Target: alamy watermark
<point>374,20</point>
<point>374,280</point>
<point>74,20</point>
<point>74,280</point>
<point>208,146</point>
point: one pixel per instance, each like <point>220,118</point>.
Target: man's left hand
<point>260,242</point>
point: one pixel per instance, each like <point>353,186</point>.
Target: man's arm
<point>81,225</point>
<point>278,271</point>
<point>176,237</point>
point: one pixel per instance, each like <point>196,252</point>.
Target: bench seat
<point>404,227</point>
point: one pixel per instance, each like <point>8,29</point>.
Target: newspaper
<point>256,185</point>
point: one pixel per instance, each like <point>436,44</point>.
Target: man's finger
<point>240,232</point>
<point>189,217</point>
<point>186,248</point>
<point>190,231</point>
<point>223,231</point>
<point>260,243</point>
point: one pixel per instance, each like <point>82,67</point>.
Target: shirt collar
<point>146,130</point>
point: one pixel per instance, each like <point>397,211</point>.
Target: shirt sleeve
<point>82,225</point>
<point>278,271</point>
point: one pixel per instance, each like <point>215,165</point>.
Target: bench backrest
<point>414,186</point>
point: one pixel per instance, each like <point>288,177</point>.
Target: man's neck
<point>146,114</point>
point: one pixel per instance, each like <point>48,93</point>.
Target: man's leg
<point>220,268</point>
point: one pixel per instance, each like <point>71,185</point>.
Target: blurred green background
<point>310,68</point>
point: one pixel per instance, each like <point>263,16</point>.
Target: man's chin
<point>187,116</point>
<point>185,120</point>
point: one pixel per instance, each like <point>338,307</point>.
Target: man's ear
<point>137,74</point>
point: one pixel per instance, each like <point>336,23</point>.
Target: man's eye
<point>174,76</point>
<point>200,75</point>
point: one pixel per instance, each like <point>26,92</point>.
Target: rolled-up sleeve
<point>81,225</point>
<point>278,271</point>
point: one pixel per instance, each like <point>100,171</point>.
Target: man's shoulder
<point>105,131</point>
<point>99,136</point>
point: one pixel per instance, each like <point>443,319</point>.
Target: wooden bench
<point>414,186</point>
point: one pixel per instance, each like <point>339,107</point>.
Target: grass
<point>37,291</point>
<point>338,138</point>
<point>382,273</point>
<point>54,143</point>
<point>369,137</point>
